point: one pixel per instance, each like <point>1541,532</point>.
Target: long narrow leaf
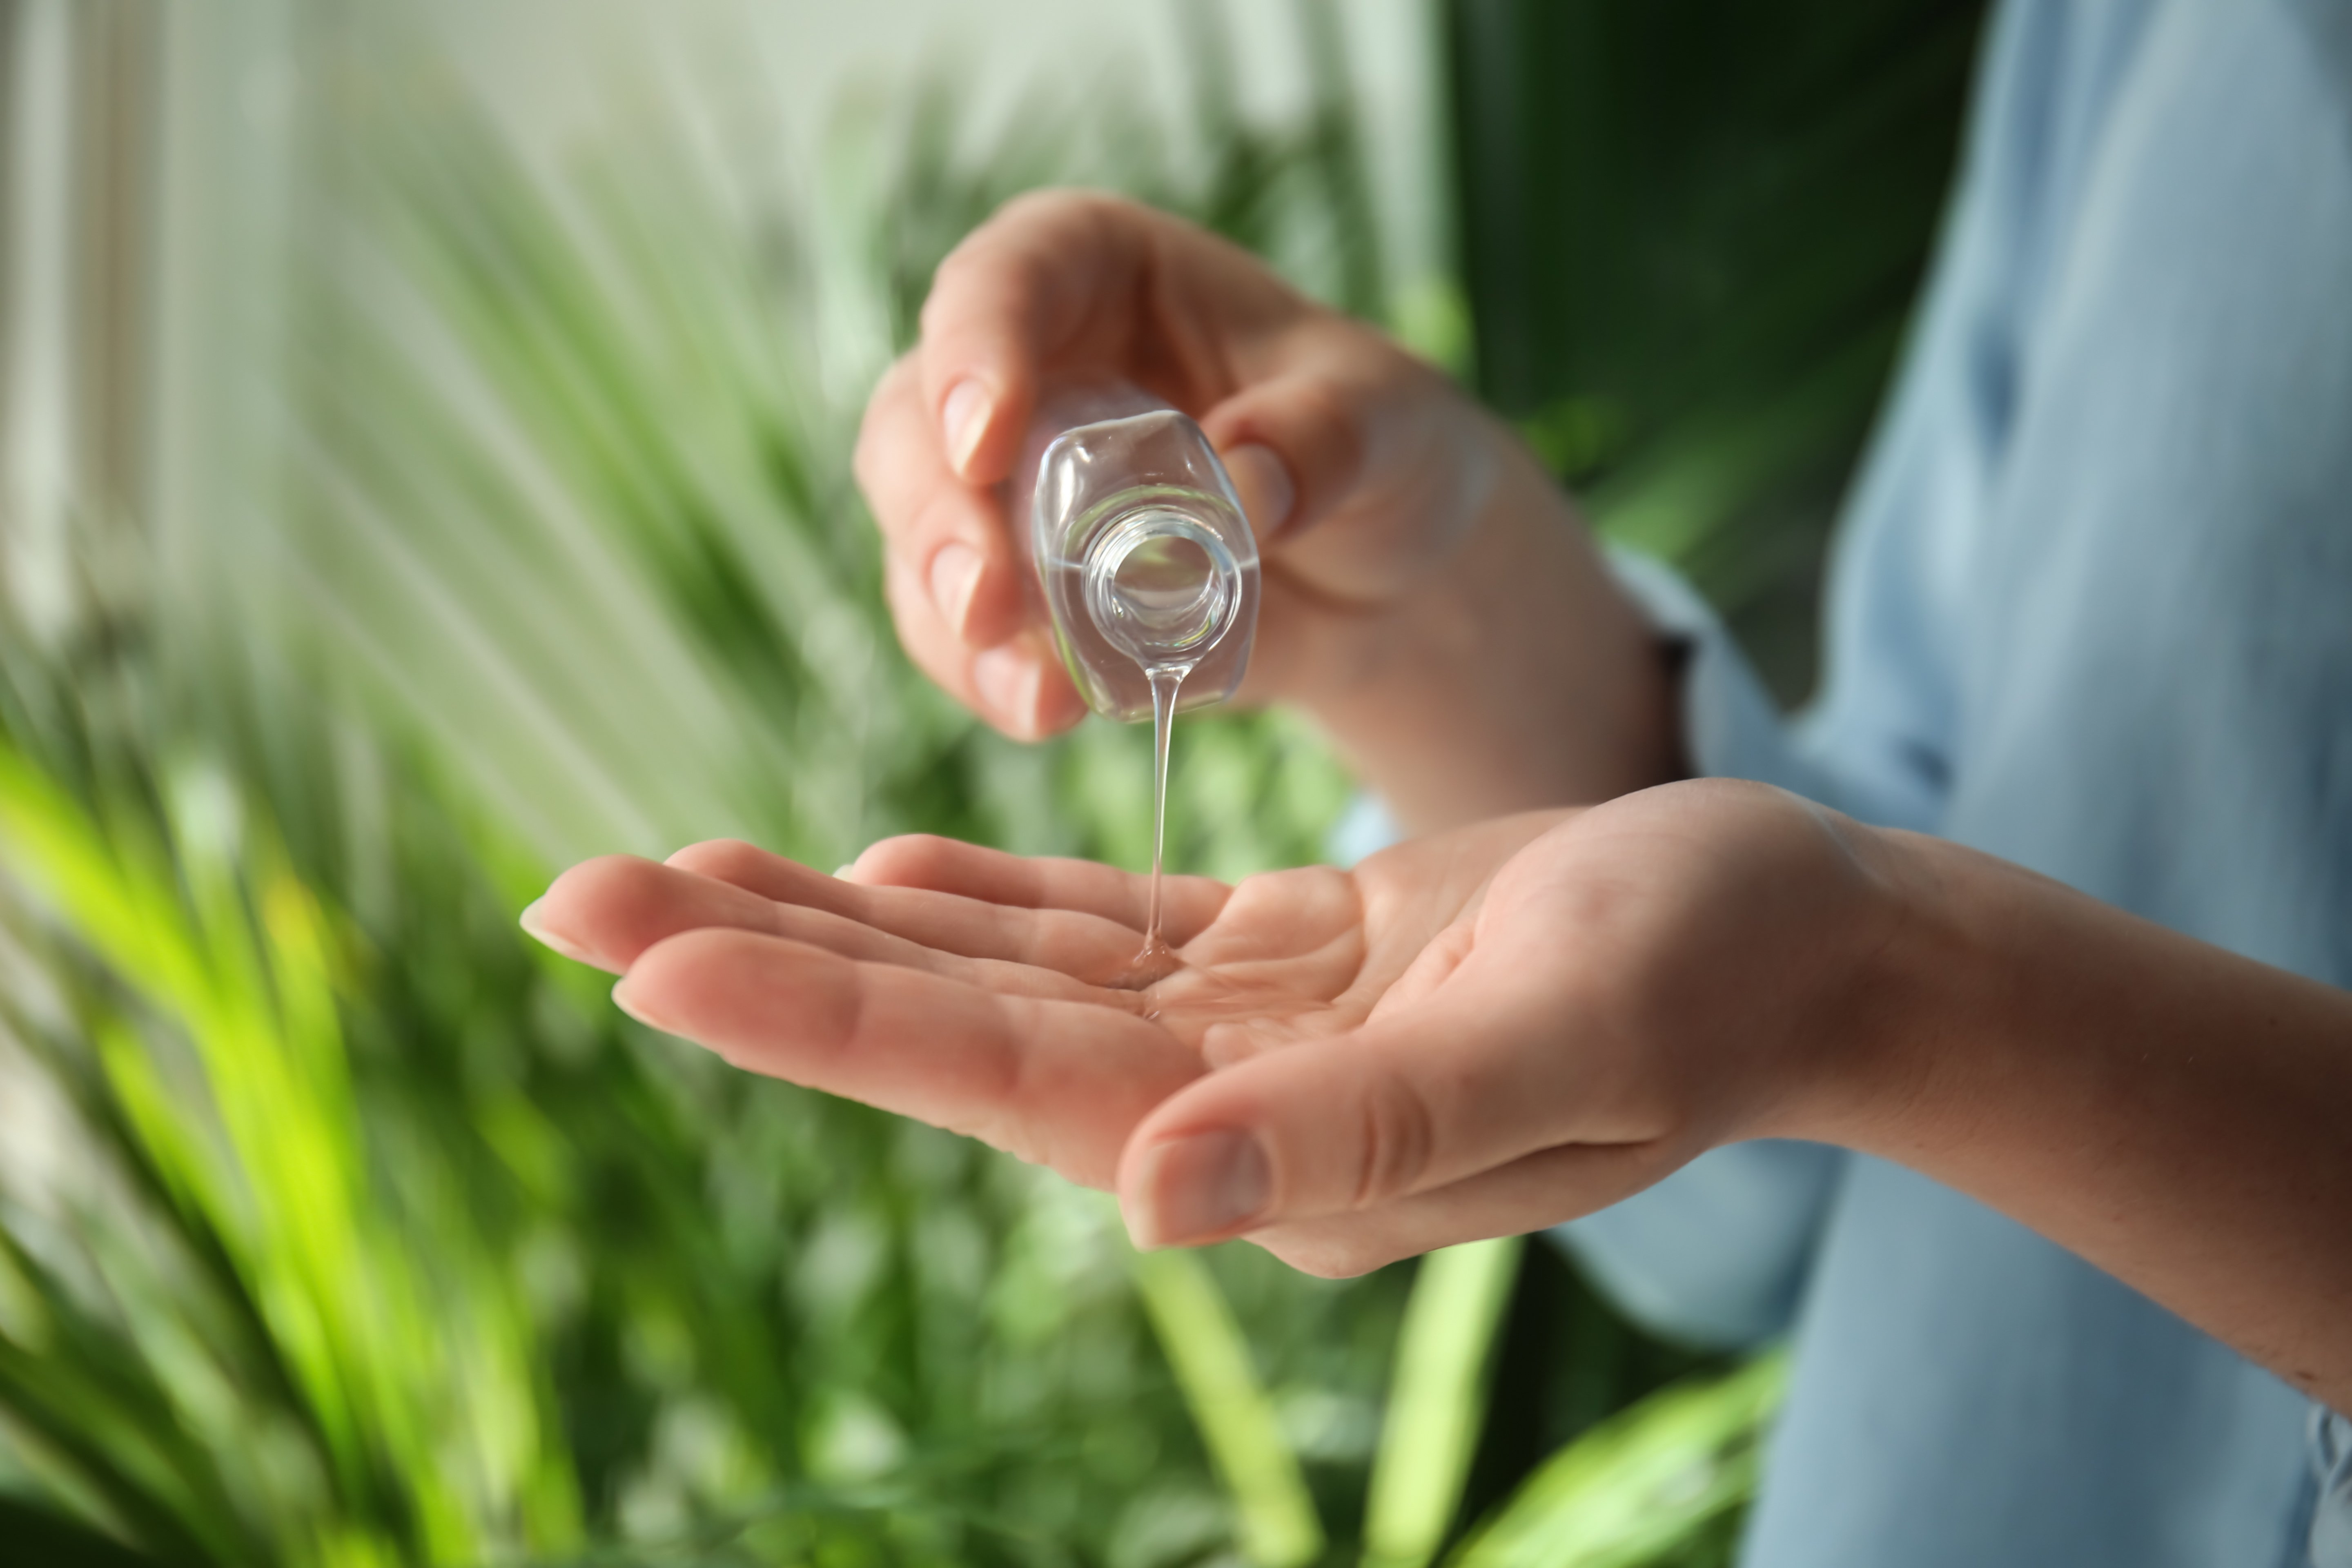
<point>1641,1482</point>
<point>1437,1398</point>
<point>1279,1526</point>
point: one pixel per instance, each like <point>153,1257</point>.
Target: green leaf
<point>1275,1514</point>
<point>1642,1483</point>
<point>1437,1399</point>
<point>1692,236</point>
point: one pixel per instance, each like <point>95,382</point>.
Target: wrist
<point>1916,972</point>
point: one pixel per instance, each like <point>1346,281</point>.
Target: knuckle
<point>1063,205</point>
<point>1035,206</point>
<point>1023,248</point>
<point>723,860</point>
<point>1397,1139</point>
<point>1330,410</point>
<point>608,881</point>
<point>1002,254</point>
<point>949,281</point>
<point>914,859</point>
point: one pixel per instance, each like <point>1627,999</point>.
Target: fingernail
<point>964,419</point>
<point>842,871</point>
<point>955,573</point>
<point>1199,1188</point>
<point>535,927</point>
<point>1263,481</point>
<point>622,1000</point>
<point>1007,679</point>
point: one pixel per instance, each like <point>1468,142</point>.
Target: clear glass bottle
<point>1141,557</point>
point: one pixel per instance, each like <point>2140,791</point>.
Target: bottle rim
<point>1147,633</point>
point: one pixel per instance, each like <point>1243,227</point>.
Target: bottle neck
<point>1161,586</point>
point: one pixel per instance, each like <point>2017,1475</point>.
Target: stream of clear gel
<point>1157,961</point>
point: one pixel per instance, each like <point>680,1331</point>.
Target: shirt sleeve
<point>1718,1252</point>
<point>1732,727</point>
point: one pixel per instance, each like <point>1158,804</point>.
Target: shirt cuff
<point>1730,726</point>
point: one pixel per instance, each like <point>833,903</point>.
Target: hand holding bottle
<point>1426,593</point>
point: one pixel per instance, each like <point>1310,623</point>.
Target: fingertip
<point>533,920</point>
<point>1195,1188</point>
<point>1023,690</point>
<point>592,913</point>
<point>901,860</point>
<point>995,609</point>
<point>953,578</point>
<point>1059,705</point>
<point>635,1007</point>
<point>964,417</point>
<point>1006,681</point>
<point>715,857</point>
<point>855,870</point>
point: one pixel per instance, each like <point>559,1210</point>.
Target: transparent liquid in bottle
<point>1143,557</point>
<point>1148,573</point>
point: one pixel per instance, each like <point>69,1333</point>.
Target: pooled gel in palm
<point>1147,570</point>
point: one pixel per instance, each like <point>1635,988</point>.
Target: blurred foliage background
<point>499,514</point>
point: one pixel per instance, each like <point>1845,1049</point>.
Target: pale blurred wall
<point>182,309</point>
<point>555,67</point>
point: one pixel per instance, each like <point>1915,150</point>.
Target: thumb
<point>1346,421</point>
<point>1294,447</point>
<point>1425,1099</point>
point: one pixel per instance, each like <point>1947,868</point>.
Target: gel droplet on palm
<point>1147,570</point>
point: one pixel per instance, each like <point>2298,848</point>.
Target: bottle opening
<point>1160,586</point>
<point>1167,581</point>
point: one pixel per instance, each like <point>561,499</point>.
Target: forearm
<point>2178,1115</point>
<point>1518,676</point>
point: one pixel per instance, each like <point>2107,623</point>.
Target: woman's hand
<point>1427,592</point>
<point>1494,1029</point>
<point>1475,1034</point>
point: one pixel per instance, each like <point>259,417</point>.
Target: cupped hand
<point>1474,1034</point>
<point>1361,467</point>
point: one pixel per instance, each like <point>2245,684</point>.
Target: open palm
<point>1474,1033</point>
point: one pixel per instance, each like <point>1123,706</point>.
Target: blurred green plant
<point>1436,1397</point>
<point>1275,1515</point>
<point>359,1232</point>
<point>1655,1484</point>
<point>1692,234</point>
<point>414,1416</point>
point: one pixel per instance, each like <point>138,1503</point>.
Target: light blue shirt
<point>2091,612</point>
